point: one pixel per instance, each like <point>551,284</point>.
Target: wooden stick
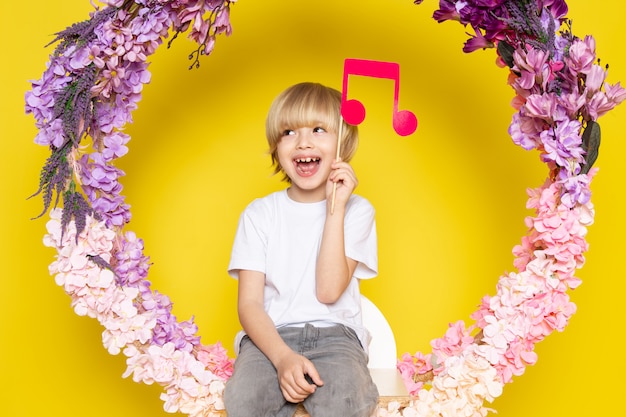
<point>332,203</point>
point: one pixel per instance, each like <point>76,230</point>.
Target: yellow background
<point>450,198</point>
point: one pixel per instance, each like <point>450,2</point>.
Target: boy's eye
<point>288,132</point>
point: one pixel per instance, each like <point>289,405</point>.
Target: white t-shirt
<point>281,238</point>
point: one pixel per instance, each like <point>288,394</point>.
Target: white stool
<point>382,352</point>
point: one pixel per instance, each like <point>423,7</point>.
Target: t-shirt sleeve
<point>249,246</point>
<point>361,241</point>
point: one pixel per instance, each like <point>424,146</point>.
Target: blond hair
<point>308,104</point>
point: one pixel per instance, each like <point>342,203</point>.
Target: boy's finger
<point>314,376</point>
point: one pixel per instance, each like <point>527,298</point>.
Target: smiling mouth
<point>307,166</point>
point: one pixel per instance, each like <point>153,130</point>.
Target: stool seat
<point>389,382</point>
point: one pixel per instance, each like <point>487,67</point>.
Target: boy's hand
<point>293,370</point>
<point>345,178</point>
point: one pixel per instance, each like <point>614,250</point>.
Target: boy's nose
<point>305,140</point>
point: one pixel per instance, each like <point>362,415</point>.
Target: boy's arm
<point>334,269</point>
<point>291,367</point>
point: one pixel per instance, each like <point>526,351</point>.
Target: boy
<point>299,268</point>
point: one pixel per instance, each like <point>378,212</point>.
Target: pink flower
<point>582,55</point>
<point>124,324</point>
<point>594,80</point>
<point>542,106</point>
<point>469,381</point>
<point>498,333</point>
<point>411,365</point>
<point>523,253</point>
<point>615,93</point>
<point>456,338</point>
<point>222,22</point>
<point>525,130</point>
<point>215,358</point>
<point>547,312</point>
<point>515,360</point>
<point>532,67</point>
<point>572,102</point>
<point>483,311</point>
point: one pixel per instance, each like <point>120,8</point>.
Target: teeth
<point>307,159</point>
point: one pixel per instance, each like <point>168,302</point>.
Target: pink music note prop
<point>353,111</point>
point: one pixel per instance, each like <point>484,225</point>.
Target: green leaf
<point>591,144</point>
<point>505,50</point>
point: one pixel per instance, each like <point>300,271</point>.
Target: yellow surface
<point>450,198</point>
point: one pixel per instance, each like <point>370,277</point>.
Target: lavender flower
<point>101,185</point>
<point>82,33</point>
<point>562,144</point>
<point>55,177</point>
<point>74,205</point>
<point>575,189</point>
<point>131,264</point>
<point>40,100</point>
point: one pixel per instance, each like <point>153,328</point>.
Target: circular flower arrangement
<point>93,82</point>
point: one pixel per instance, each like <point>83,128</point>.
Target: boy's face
<point>305,155</point>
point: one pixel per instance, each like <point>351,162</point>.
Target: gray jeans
<point>348,390</point>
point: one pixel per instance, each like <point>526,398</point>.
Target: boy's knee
<point>347,403</point>
<point>238,405</point>
<point>246,397</point>
<point>238,400</point>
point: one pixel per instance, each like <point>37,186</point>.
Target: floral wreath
<point>93,82</point>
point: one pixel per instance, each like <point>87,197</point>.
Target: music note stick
<point>332,202</point>
<point>353,111</point>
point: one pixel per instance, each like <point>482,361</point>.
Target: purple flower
<point>40,99</point>
<point>80,59</point>
<point>113,210</point>
<point>558,8</point>
<point>524,131</point>
<point>99,174</point>
<point>116,113</point>
<point>136,76</point>
<point>51,134</point>
<point>100,184</point>
<point>477,42</point>
<point>561,44</point>
<point>562,144</point>
<point>132,265</point>
<point>488,16</point>
<point>447,11</point>
<point>168,329</point>
<point>542,106</point>
<point>151,25</point>
<point>576,189</point>
<point>115,146</point>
